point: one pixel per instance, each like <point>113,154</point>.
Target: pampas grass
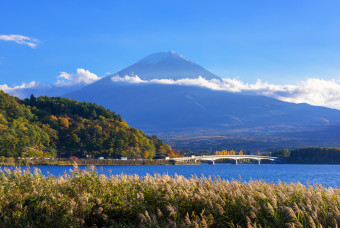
<point>88,199</point>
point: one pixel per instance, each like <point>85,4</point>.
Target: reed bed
<point>89,199</point>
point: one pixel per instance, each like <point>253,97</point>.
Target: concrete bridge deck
<point>213,158</point>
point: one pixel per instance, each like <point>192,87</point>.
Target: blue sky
<point>276,41</point>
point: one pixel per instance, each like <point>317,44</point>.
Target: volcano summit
<point>166,65</point>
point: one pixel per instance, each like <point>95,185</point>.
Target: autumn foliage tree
<point>49,124</point>
<point>226,152</point>
<point>18,129</point>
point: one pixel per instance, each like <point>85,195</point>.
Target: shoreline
<point>95,162</point>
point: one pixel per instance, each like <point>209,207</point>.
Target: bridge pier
<point>259,161</point>
<point>235,161</point>
<point>212,162</point>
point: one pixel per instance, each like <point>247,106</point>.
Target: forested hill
<point>310,155</point>
<point>51,126</point>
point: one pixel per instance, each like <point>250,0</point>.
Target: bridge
<point>212,158</point>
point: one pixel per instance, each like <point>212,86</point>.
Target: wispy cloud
<point>313,91</point>
<point>66,82</point>
<point>81,77</point>
<point>20,39</point>
<point>16,90</point>
<point>128,79</point>
<point>32,84</point>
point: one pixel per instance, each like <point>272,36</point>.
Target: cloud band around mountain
<point>313,91</point>
<point>20,39</point>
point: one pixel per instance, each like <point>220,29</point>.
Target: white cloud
<point>65,83</point>
<point>7,89</point>
<point>16,90</point>
<point>25,40</point>
<point>128,79</point>
<point>313,91</point>
<point>81,77</point>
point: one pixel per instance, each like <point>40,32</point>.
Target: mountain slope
<point>166,65</point>
<point>157,108</point>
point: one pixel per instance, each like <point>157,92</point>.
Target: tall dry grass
<point>88,199</point>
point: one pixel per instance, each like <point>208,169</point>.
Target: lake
<point>326,175</point>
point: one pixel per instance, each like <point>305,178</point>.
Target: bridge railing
<point>234,157</point>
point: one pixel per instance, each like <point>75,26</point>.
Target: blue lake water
<point>326,175</point>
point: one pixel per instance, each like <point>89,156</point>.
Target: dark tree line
<point>310,155</point>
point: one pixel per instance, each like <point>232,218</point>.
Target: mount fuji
<point>166,65</point>
<point>175,111</point>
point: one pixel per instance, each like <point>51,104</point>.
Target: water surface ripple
<point>326,175</point>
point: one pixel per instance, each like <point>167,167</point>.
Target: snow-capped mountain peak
<point>166,65</point>
<point>169,56</point>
